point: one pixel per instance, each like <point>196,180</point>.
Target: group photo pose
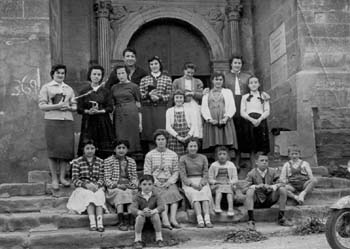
<point>149,146</point>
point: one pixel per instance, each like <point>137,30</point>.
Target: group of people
<point>179,118</point>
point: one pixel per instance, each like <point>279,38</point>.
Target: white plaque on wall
<point>277,43</point>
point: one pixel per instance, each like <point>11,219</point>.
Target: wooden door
<point>175,43</point>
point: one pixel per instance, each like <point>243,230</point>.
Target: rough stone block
<point>13,240</point>
<point>31,204</point>
<point>22,189</point>
<point>328,30</point>
<point>337,136</point>
<point>39,176</point>
<point>332,182</point>
<point>36,9</point>
<point>11,8</point>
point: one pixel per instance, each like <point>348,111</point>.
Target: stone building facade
<point>298,48</point>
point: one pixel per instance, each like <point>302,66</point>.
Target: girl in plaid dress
<point>155,91</point>
<point>121,182</point>
<point>179,124</point>
<point>87,176</point>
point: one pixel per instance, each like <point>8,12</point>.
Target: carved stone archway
<point>136,20</point>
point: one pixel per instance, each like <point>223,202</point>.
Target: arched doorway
<point>175,42</point>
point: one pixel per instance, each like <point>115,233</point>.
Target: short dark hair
<point>193,139</point>
<point>128,49</point>
<point>216,75</point>
<point>123,66</point>
<point>56,67</point>
<point>119,142</point>
<point>260,153</point>
<point>236,56</point>
<point>190,65</point>
<point>87,142</point>
<point>98,67</point>
<point>146,178</point>
<point>160,132</point>
<point>156,58</point>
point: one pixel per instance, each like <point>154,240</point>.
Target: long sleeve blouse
<point>230,107</point>
<point>161,84</point>
<point>112,171</point>
<point>84,172</point>
<point>193,166</point>
<point>162,165</point>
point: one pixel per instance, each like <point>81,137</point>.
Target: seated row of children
<point>114,182</point>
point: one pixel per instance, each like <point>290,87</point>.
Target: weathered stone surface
<point>38,176</point>
<point>11,9</point>
<point>36,9</point>
<point>339,136</point>
<point>332,182</point>
<point>31,204</point>
<point>13,240</point>
<point>22,189</point>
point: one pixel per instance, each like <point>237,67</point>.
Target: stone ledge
<point>21,189</point>
<point>82,238</point>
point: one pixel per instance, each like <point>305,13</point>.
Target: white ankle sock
<point>207,218</point>
<point>92,220</point>
<point>99,221</point>
<point>159,236</point>
<point>200,219</point>
<point>138,237</point>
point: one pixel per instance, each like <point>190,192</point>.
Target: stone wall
<point>309,84</point>
<point>324,30</point>
<point>24,67</point>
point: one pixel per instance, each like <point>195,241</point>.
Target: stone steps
<point>40,188</point>
<point>31,203</point>
<point>58,219</point>
<point>47,202</point>
<point>81,238</point>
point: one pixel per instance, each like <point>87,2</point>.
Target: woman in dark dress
<point>95,103</point>
<point>155,91</point>
<point>127,114</point>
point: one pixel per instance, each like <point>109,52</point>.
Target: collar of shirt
<point>296,163</point>
<point>54,83</point>
<point>262,173</point>
<point>156,75</point>
<point>86,160</point>
<point>146,196</point>
<point>236,73</point>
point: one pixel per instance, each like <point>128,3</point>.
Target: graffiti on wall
<point>28,86</point>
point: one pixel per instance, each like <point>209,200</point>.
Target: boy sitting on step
<point>147,206</point>
<point>297,175</point>
<point>264,190</point>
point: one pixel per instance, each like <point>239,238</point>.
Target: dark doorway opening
<point>175,42</point>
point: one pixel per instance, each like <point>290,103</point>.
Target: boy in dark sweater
<point>147,205</point>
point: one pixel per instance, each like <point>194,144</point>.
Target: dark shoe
<point>101,229</point>
<point>138,245</point>
<point>123,227</point>
<point>285,222</point>
<point>93,228</point>
<point>200,225</point>
<point>176,225</point>
<point>167,226</point>
<point>160,243</point>
<point>209,225</point>
<point>251,225</point>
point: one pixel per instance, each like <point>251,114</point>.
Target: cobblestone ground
<point>286,242</point>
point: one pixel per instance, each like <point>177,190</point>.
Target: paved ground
<point>286,242</point>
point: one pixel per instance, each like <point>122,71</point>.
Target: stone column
<point>233,9</point>
<point>102,9</point>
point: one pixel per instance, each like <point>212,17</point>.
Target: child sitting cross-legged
<point>223,178</point>
<point>297,175</point>
<point>147,206</point>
